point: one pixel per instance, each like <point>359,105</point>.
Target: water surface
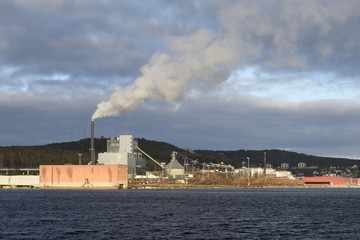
<point>180,214</point>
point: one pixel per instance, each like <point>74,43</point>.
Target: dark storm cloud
<point>76,40</point>
<point>90,38</point>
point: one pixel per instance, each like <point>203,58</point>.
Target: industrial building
<point>122,151</point>
<point>326,180</point>
<point>80,176</point>
<point>122,161</point>
<point>259,172</point>
<point>174,169</point>
<point>112,172</point>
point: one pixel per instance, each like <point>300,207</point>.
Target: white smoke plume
<point>196,58</point>
<point>271,34</point>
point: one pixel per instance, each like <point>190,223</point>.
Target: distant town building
<point>301,165</point>
<point>284,166</point>
<point>218,167</point>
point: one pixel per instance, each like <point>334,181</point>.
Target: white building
<point>121,150</point>
<point>301,165</point>
<point>259,172</point>
<point>284,166</point>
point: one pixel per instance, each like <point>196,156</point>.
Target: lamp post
<point>248,158</point>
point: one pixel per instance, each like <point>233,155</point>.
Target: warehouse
<point>122,150</point>
<point>325,180</point>
<point>80,176</point>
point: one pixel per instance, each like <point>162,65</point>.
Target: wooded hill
<point>276,158</point>
<point>67,153</point>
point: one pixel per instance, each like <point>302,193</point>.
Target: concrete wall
<point>83,176</point>
<point>331,180</point>
<point>19,180</point>
<point>176,173</point>
<point>126,143</point>
<point>113,158</point>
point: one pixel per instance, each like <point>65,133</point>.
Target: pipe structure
<point>162,166</point>
<point>265,164</point>
<point>248,177</point>
<point>92,148</point>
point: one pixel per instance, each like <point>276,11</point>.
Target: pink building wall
<point>331,180</point>
<point>83,175</point>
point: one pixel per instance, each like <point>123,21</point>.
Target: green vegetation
<point>276,158</point>
<point>56,153</point>
<point>67,153</point>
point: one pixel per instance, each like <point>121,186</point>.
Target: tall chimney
<point>265,164</point>
<point>92,149</point>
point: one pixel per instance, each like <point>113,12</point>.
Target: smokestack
<point>264,164</point>
<point>92,149</point>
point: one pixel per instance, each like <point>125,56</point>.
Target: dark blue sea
<point>180,214</point>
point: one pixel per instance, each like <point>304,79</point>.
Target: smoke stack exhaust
<point>92,149</point>
<point>264,164</point>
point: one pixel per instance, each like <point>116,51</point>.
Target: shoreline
<point>237,187</point>
<point>175,186</point>
<point>198,182</point>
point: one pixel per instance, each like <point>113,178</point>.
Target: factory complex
<point>124,161</point>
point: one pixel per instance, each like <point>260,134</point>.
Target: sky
<point>199,74</point>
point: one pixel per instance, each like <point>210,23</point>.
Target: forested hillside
<point>56,153</point>
<point>67,153</point>
<point>276,158</point>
